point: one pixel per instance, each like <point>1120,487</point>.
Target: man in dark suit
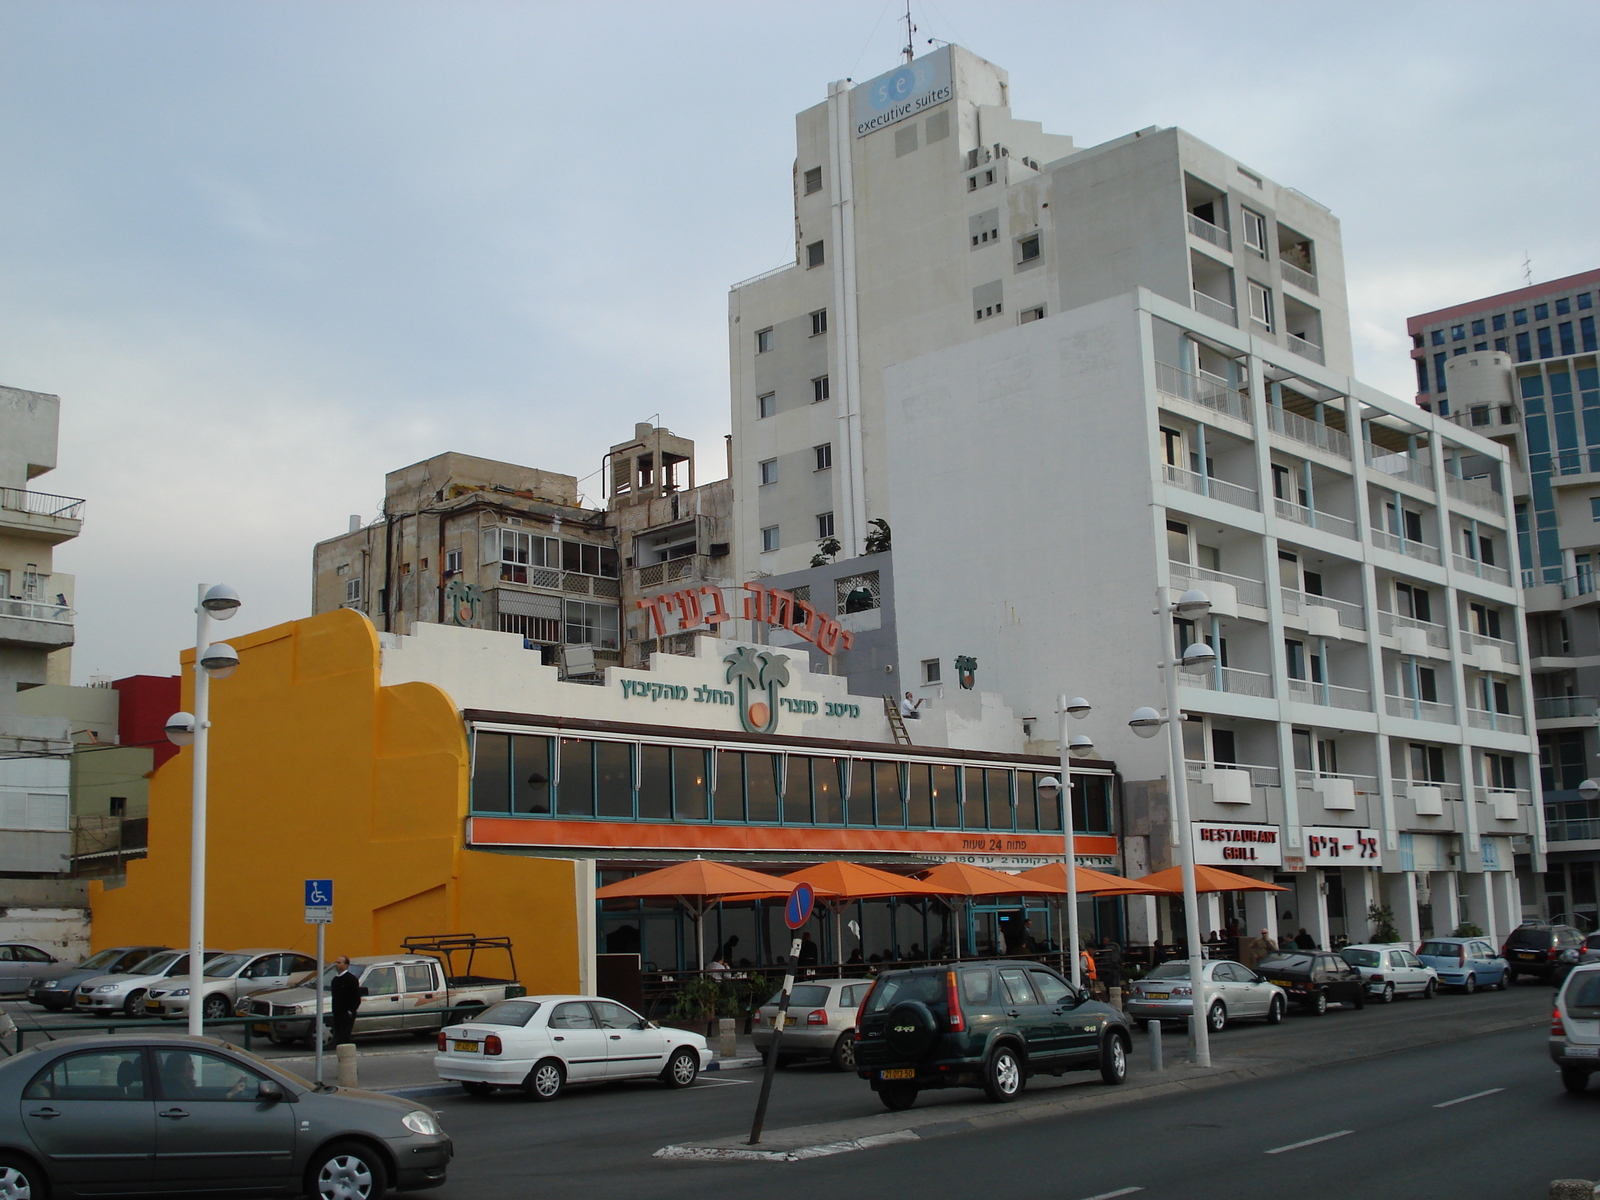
<point>344,996</point>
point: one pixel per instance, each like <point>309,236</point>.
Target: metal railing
<point>1217,310</point>
<point>1552,708</point>
<point>1470,491</point>
<point>1330,695</point>
<point>1366,785</point>
<point>1482,570</point>
<point>1576,829</point>
<point>1304,280</point>
<point>675,570</point>
<point>1420,710</point>
<point>1293,425</point>
<point>1206,231</point>
<point>1437,635</point>
<point>34,610</point>
<point>1316,519</point>
<point>1447,791</point>
<point>1481,416</point>
<point>41,504</point>
<point>1409,467</point>
<point>1249,591</point>
<point>1259,776</point>
<point>1305,349</point>
<point>1506,802</point>
<point>1482,718</point>
<point>1210,391</point>
<point>788,266</point>
<point>1351,616</point>
<point>1232,680</point>
<point>1400,545</point>
<point>1217,489</point>
<point>1508,650</point>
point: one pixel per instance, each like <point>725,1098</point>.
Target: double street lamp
<point>1077,746</point>
<point>216,661</point>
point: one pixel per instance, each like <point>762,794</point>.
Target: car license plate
<point>1279,982</point>
<point>899,1073</point>
<point>153,1005</point>
<point>1582,1051</point>
<point>1527,954</point>
<point>466,1047</point>
<point>1158,995</point>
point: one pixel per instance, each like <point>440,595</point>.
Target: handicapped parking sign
<point>319,901</point>
<point>798,910</point>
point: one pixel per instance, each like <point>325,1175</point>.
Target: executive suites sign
<point>904,92</point>
<point>1223,845</point>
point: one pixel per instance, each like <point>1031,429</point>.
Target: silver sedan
<point>1233,992</point>
<point>821,1021</point>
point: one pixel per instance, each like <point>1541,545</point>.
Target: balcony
<point>1304,280</point>
<point>1217,310</point>
<point>1231,680</point>
<point>1217,489</point>
<point>1208,390</point>
<point>1437,635</point>
<point>35,625</point>
<point>1508,650</point>
<point>1262,777</point>
<point>1298,428</point>
<point>691,568</point>
<point>1579,829</point>
<point>1315,519</point>
<point>1485,571</point>
<point>1249,591</point>
<point>40,516</point>
<point>1400,545</point>
<point>1305,349</point>
<point>1330,695</point>
<point>1351,616</point>
<point>1479,495</point>
<point>1420,710</point>
<point>1207,232</point>
<point>1479,718</point>
<point>1409,467</point>
<point>1507,803</point>
<point>1556,708</point>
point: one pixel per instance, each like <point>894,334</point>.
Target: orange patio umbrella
<point>695,885</point>
<point>1206,879</point>
<point>839,882</point>
<point>1090,882</point>
<point>972,881</point>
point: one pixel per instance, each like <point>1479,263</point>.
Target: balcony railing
<point>1402,466</point>
<point>1483,570</point>
<point>1507,803</point>
<point>1304,280</point>
<point>1330,695</point>
<point>1420,710</point>
<point>1259,776</point>
<point>1578,829</point>
<point>1217,310</point>
<point>41,504</point>
<point>1232,680</point>
<point>1479,495</point>
<point>1249,591</point>
<point>1315,518</point>
<point>1447,791</point>
<point>1351,616</point>
<point>676,570</point>
<point>1437,635</point>
<point>1293,425</point>
<point>1480,718</point>
<point>34,610</point>
<point>1206,389</point>
<point>1366,785</point>
<point>1206,231</point>
<point>1217,489</point>
<point>1508,650</point>
<point>1400,545</point>
<point>1305,349</point>
<point>1555,708</point>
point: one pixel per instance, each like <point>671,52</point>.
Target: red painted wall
<point>144,704</point>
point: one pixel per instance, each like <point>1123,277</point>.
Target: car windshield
<point>1285,962</point>
<point>805,995</point>
<point>1583,995</point>
<point>508,1012</point>
<point>1170,970</point>
<point>1362,958</point>
<point>221,968</point>
<point>1439,950</point>
<point>104,959</point>
<point>1531,938</point>
<point>156,963</point>
<point>926,986</point>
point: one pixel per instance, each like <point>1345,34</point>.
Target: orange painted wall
<point>318,771</point>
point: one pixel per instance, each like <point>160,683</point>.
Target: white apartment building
<point>1069,377</point>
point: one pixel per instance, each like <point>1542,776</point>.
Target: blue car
<point>1468,963</point>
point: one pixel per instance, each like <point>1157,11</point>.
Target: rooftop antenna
<point>910,50</point>
<point>1527,267</point>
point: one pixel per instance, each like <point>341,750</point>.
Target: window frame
<point>766,405</point>
<point>769,539</point>
<point>816,255</point>
<point>819,322</point>
<point>767,472</point>
<point>824,458</point>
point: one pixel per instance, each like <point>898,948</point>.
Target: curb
<point>733,1154</point>
<point>734,1064</point>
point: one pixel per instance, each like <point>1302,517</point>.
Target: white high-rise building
<point>1067,377</point>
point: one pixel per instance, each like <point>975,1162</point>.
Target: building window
<point>119,806</point>
<point>764,340</point>
<point>352,591</point>
<point>819,322</point>
<point>1524,347</point>
<point>1458,333</point>
<point>825,525</point>
<point>1520,317</point>
<point>1438,337</point>
<point>824,455</point>
<point>1478,329</point>
<point>1480,345</point>
<point>1564,330</point>
<point>1586,332</point>
<point>857,593</point>
<point>1563,306</point>
<point>930,670</point>
<point>452,562</point>
<point>1485,620</point>
<point>813,255</point>
<point>591,624</point>
<point>1498,321</point>
<point>766,405</point>
<point>1255,231</point>
<point>342,569</point>
<point>1028,248</point>
<point>769,539</point>
<point>1261,305</point>
<point>1172,446</point>
<point>819,389</point>
<point>1541,312</point>
<point>813,180</point>
<point>1422,374</point>
<point>1585,301</point>
<point>1594,508</point>
<point>1546,348</point>
<point>1413,602</point>
<point>1500,344</point>
<point>769,471</point>
<point>1031,314</point>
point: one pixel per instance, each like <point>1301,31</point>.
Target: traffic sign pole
<point>777,1034</point>
<point>319,912</point>
<point>322,930</point>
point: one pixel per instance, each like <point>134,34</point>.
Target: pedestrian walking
<point>1304,941</point>
<point>344,994</point>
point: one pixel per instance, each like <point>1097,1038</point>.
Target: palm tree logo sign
<point>759,677</point>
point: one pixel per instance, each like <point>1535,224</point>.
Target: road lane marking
<point>1464,1099</point>
<point>1327,1137</point>
<point>704,1082</point>
<point>1113,1195</point>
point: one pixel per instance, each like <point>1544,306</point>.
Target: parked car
<point>1391,971</point>
<point>227,980</point>
<point>23,962</point>
<point>1575,1027</point>
<point>821,1022</point>
<point>1534,948</point>
<point>125,993</point>
<point>1572,956</point>
<point>57,992</point>
<point>255,1126</point>
<point>1465,962</point>
<point>1233,992</point>
<point>543,1043</point>
<point>393,988</point>
<point>1315,979</point>
<point>983,1024</point>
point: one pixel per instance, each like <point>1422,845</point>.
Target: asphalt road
<point>1483,1114</point>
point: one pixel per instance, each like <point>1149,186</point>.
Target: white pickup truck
<point>400,993</point>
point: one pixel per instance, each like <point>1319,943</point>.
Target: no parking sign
<point>798,910</point>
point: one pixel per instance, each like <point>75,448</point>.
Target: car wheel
<point>1388,994</point>
<point>681,1068</point>
<point>1471,984</point>
<point>1511,976</point>
<point>1318,1004</point>
<point>475,1087</point>
<point>134,1002</point>
<point>216,1009</point>
<point>280,1039</point>
<point>347,1171</point>
<point>1217,1018</point>
<point>844,1052</point>
<point>1002,1075</point>
<point>1574,1079</point>
<point>20,1179</point>
<point>1360,1000</point>
<point>1114,1059</point>
<point>1500,984</point>
<point>1275,1011</point>
<point>546,1080</point>
<point>1430,990</point>
<point>897,1097</point>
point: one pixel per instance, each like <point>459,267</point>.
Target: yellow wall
<point>317,771</point>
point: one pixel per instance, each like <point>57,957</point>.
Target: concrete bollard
<point>1114,998</point>
<point>1572,1189</point>
<point>727,1044</point>
<point>347,1065</point>
<point>1155,1045</point>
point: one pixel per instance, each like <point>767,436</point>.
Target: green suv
<point>982,1024</point>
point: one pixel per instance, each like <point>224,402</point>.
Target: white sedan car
<point>543,1043</point>
<point>1392,971</point>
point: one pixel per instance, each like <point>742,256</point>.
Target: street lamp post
<point>1078,746</point>
<point>210,662</point>
<point>1192,605</point>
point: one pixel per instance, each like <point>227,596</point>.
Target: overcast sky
<point>265,252</point>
